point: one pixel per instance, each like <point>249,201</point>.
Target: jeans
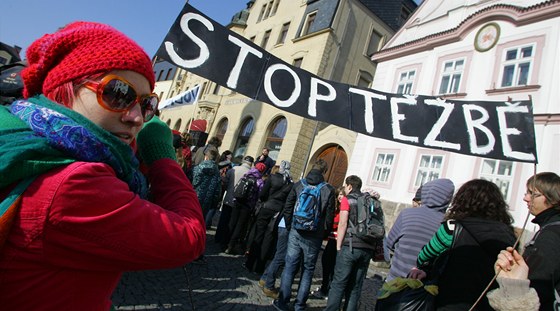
<point>349,274</point>
<point>208,216</point>
<point>271,272</point>
<point>298,245</point>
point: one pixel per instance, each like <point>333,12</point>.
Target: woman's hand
<point>416,273</point>
<point>510,264</point>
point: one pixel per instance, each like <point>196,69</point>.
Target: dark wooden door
<point>337,160</point>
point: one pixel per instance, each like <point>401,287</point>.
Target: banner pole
<point>309,149</point>
<point>194,107</point>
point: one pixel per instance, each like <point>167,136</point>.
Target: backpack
<point>307,211</point>
<point>245,188</point>
<point>367,222</point>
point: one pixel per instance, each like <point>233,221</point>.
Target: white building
<point>469,50</point>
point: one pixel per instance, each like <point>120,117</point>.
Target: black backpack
<point>367,221</point>
<point>245,188</point>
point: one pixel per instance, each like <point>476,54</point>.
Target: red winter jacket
<point>79,227</point>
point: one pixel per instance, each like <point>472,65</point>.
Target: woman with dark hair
<point>480,217</point>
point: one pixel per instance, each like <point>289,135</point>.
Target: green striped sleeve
<point>439,243</point>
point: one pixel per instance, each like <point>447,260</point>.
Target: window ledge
<point>514,89</point>
<point>452,95</point>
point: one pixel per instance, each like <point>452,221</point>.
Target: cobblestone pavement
<point>221,284</point>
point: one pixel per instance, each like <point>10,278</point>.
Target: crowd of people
<point>93,184</point>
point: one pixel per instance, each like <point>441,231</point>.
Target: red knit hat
<point>78,50</point>
<point>260,166</point>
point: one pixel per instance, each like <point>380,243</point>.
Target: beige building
<point>333,39</point>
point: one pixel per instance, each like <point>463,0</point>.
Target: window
<point>309,21</point>
<point>374,42</point>
<point>252,39</point>
<point>216,89</point>
<point>283,33</point>
<point>159,76</point>
<point>297,62</point>
<point>405,13</point>
<point>429,168</point>
<point>406,80</point>
<point>499,172</point>
<point>261,14</point>
<point>383,167</point>
<point>268,9</point>
<point>451,76</point>
<point>274,140</point>
<point>516,66</point>
<point>265,38</point>
<point>222,129</point>
<point>168,73</point>
<point>365,79</point>
<point>243,138</point>
<point>275,7</point>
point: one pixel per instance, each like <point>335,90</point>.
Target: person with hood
<point>239,221</point>
<point>480,216</point>
<point>207,183</point>
<point>414,227</point>
<point>273,195</point>
<point>231,179</point>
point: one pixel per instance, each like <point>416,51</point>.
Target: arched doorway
<point>338,164</point>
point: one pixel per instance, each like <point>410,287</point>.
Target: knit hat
<point>261,167</point>
<point>78,50</point>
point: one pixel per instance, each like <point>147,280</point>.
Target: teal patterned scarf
<point>52,135</point>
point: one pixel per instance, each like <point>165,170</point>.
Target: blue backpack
<point>307,211</point>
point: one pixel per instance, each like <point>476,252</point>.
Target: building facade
<point>471,50</point>
<point>333,39</point>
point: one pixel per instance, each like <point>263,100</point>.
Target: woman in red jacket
<point>75,205</point>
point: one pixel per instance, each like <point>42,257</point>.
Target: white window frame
<point>453,86</point>
<point>502,174</point>
<point>308,24</point>
<point>407,83</point>
<point>430,172</point>
<point>383,170</point>
<point>516,65</point>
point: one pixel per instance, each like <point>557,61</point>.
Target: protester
<point>268,280</point>
<point>417,200</point>
<point>213,143</point>
<point>233,176</point>
<point>266,160</point>
<point>414,227</point>
<point>76,199</point>
<point>207,183</point>
<point>273,195</point>
<point>186,140</point>
<point>328,259</point>
<point>514,293</point>
<point>542,252</point>
<point>305,244</point>
<point>481,215</point>
<point>354,254</point>
<point>239,221</point>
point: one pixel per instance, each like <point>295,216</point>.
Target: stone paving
<point>221,284</point>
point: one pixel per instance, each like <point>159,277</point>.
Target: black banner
<point>499,130</point>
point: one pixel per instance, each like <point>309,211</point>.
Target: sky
<point>146,22</point>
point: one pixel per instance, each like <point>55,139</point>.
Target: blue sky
<point>147,22</point>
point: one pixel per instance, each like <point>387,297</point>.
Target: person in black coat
<point>274,193</point>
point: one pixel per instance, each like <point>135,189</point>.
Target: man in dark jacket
<point>266,160</point>
<point>305,244</point>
